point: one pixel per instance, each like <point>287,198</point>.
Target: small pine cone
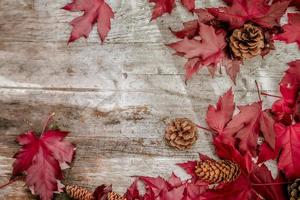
<point>78,193</point>
<point>181,133</point>
<point>247,41</point>
<point>213,172</point>
<point>294,190</point>
<point>114,196</point>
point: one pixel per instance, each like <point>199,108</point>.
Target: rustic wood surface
<point>115,98</point>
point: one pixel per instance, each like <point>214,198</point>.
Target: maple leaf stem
<point>257,194</point>
<point>258,91</point>
<point>207,129</point>
<point>47,122</point>
<point>10,182</point>
<point>270,95</point>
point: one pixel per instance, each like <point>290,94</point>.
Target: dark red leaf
<point>257,11</point>
<point>189,167</point>
<point>132,192</point>
<point>238,189</point>
<point>288,138</point>
<point>228,152</point>
<point>266,153</point>
<point>101,192</point>
<point>264,184</point>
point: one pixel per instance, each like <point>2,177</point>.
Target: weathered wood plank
<point>93,67</point>
<point>42,20</point>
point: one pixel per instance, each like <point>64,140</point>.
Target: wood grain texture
<point>114,98</point>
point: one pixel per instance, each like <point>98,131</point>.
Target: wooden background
<point>115,98</point>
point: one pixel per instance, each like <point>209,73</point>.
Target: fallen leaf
<point>132,192</point>
<point>101,192</point>
<point>257,11</point>
<point>238,189</point>
<point>94,11</point>
<point>288,138</point>
<point>291,30</point>
<point>264,184</point>
<point>204,52</point>
<point>218,117</point>
<point>227,151</point>
<point>161,7</point>
<point>232,68</point>
<point>266,153</point>
<point>166,6</point>
<point>284,108</point>
<point>245,127</point>
<point>190,29</point>
<point>40,159</point>
<point>189,4</point>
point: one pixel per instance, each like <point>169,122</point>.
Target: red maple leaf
<point>132,192</point>
<point>232,68</point>
<point>94,11</point>
<point>243,127</point>
<point>223,112</point>
<point>238,189</point>
<point>160,189</point>
<point>189,4</point>
<point>292,74</point>
<point>204,52</point>
<point>190,166</point>
<point>285,110</point>
<point>161,7</point>
<point>257,11</point>
<point>288,138</point>
<point>291,30</point>
<point>266,153</point>
<point>248,124</point>
<point>229,152</point>
<point>166,6</point>
<point>264,184</point>
<point>102,191</point>
<point>285,107</point>
<point>190,30</point>
<point>40,159</point>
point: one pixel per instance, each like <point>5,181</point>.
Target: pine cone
<point>294,190</point>
<point>181,133</point>
<point>246,42</point>
<point>114,196</point>
<point>213,172</point>
<point>78,193</point>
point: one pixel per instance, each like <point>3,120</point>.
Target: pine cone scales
<point>246,42</point>
<point>115,196</point>
<point>213,172</point>
<point>181,133</point>
<point>78,193</point>
<point>294,190</point>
